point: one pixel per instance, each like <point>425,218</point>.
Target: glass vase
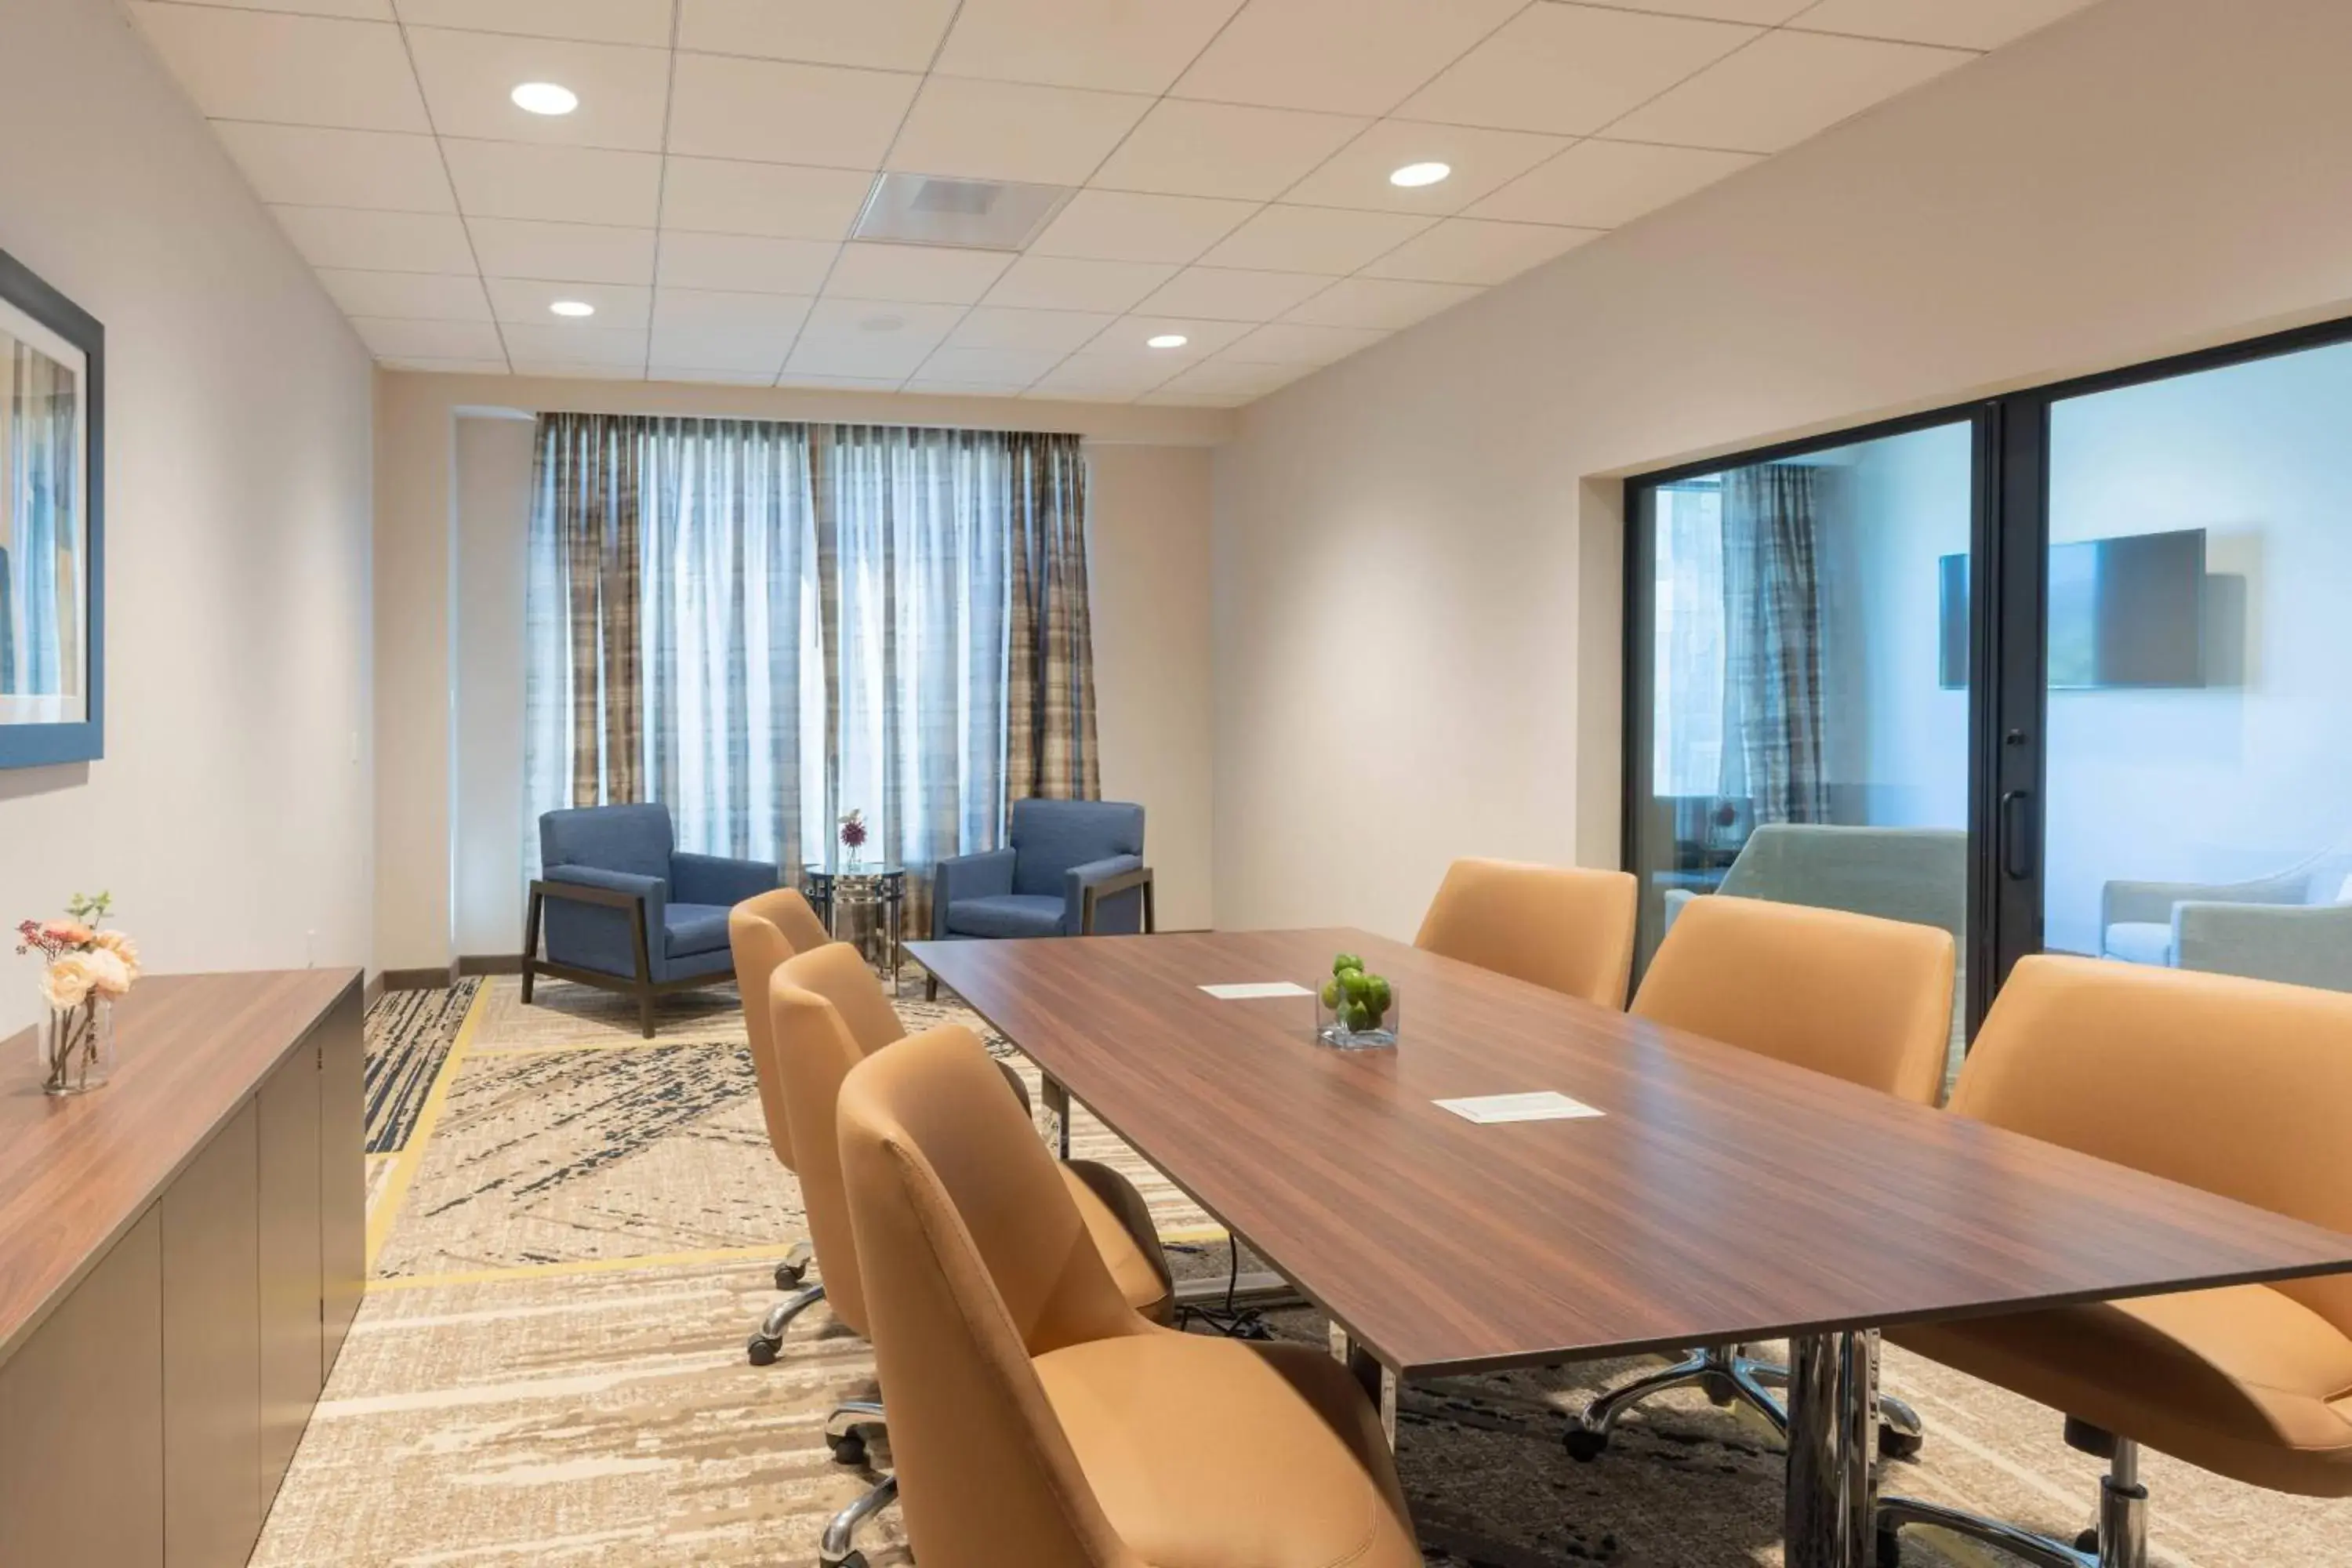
<point>77,1047</point>
<point>1357,1025</point>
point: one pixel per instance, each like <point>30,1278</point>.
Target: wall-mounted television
<point>2122,611</point>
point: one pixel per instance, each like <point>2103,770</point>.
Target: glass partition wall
<point>2060,671</point>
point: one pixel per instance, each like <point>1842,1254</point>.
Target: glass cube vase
<point>76,1047</point>
<point>1353,1026</point>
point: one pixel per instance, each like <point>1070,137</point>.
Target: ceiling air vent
<point>980,215</point>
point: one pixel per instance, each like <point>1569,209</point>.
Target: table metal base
<point>1832,1419</point>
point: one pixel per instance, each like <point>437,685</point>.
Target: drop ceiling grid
<point>1269,125</point>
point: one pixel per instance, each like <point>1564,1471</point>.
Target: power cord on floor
<point>1233,1322</point>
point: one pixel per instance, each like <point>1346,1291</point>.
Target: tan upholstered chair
<point>761,933</point>
<point>1558,926</point>
<point>1864,999</point>
<point>2234,1085</point>
<point>1039,1421</point>
<point>829,1013</point>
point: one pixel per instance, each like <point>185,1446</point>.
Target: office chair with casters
<point>1560,927</point>
<point>761,933</point>
<point>1038,1421</point>
<point>1864,999</point>
<point>829,1012</point>
<point>2231,1085</point>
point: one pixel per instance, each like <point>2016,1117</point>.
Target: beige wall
<point>1417,595</point>
<point>453,498</point>
<point>230,814</point>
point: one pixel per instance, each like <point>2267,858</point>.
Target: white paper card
<point>1256,990</point>
<point>1544,1105</point>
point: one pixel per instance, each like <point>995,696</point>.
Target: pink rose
<point>69,934</point>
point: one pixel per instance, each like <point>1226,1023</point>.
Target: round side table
<point>834,890</point>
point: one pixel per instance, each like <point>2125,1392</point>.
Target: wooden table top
<point>76,1172</point>
<point>1723,1196</point>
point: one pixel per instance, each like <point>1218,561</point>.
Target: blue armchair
<point>623,909</point>
<point>1073,868</point>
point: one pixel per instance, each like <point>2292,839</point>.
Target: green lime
<point>1355,985</point>
<point>1377,992</point>
<point>1346,960</point>
<point>1331,994</point>
<point>1357,1017</point>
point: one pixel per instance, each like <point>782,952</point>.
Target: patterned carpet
<point>576,1230</point>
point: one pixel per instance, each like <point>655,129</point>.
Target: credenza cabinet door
<point>343,1177</point>
<point>211,1351</point>
<point>293,1326</point>
<point>81,1419</point>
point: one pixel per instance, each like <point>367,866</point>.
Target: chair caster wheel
<point>790,1274</point>
<point>763,1350</point>
<point>1895,1445</point>
<point>854,1560</point>
<point>1890,1549</point>
<point>2088,1542</point>
<point>1583,1444</point>
<point>1720,1392</point>
<point>849,1449</point>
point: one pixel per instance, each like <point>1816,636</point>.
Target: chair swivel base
<point>845,1433</point>
<point>1727,1377</point>
<point>771,1337</point>
<point>2118,1541</point>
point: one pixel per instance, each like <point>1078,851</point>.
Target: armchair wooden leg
<point>930,987</point>
<point>644,967</point>
<point>530,943</point>
<point>645,1010</point>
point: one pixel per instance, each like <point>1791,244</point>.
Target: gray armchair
<point>2295,927</point>
<point>1072,867</point>
<point>623,909</point>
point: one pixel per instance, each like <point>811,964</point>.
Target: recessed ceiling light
<point>545,98</point>
<point>1414,174</point>
<point>1168,341</point>
<point>573,308</point>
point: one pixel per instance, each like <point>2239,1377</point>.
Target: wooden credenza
<point>181,1255</point>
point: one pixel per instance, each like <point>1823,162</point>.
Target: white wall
<point>1416,551</point>
<point>229,815</point>
<point>454,464</point>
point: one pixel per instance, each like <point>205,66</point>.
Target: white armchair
<point>2296,927</point>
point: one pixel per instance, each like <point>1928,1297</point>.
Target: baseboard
<point>420,979</point>
<point>490,964</point>
<point>372,992</point>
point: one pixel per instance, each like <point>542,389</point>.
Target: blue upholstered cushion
<point>632,839</point>
<point>1009,914</point>
<point>719,964</point>
<point>696,928</point>
<point>1050,836</point>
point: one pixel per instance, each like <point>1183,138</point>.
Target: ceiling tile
<point>660,371</point>
<point>941,275</point>
<point>925,386</point>
<point>1117,376</point>
<point>407,295</point>
<point>773,112</point>
<point>1763,13</point>
<point>645,22</point>
<point>974,367</point>
<point>716,195</point>
<point>1349,57</point>
<point>1223,149</point>
<point>745,264</point>
<point>1783,89</point>
<point>1163,398</point>
<point>574,342</point>
<point>869,322</point>
<point>304,166</point>
<point>1481,161</point>
<point>1229,294</point>
<point>1290,342</point>
<point>1964,24</point>
<point>1571,69</point>
<point>1600,184</point>
<point>1380,303</point>
<point>1224,376</point>
<point>378,242</point>
<point>1060,283</point>
<point>896,358</point>
<point>430,340</point>
<point>1121,46</point>
<point>561,184</point>
<point>1473,250</point>
<point>1122,226</point>
<point>1054,333</point>
<point>620,307</point>
<point>1130,338</point>
<point>300,70</point>
<point>430,366</point>
<point>794,378</point>
<point>1009,130</point>
<point>727,331</point>
<point>566,252</point>
<point>1314,239</point>
<point>468,79</point>
<point>364,10</point>
<point>619,369</point>
<point>889,35</point>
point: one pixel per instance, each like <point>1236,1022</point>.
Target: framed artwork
<point>52,533</point>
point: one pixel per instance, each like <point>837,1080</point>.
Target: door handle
<point>2017,834</point>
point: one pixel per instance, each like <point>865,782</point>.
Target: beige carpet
<point>578,1235</point>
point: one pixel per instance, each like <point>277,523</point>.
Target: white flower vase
<point>77,1047</point>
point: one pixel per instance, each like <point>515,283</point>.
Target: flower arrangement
<point>852,832</point>
<point>85,969</point>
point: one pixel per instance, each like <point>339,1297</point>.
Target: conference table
<point>1718,1197</point>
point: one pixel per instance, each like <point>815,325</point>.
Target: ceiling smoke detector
<point>977,214</point>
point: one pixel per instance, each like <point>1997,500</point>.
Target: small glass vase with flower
<point>86,969</point>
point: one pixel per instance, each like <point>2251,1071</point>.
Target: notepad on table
<point>1256,990</point>
<point>1543,1105</point>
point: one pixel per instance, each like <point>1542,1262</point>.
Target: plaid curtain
<point>1050,709</point>
<point>1774,716</point>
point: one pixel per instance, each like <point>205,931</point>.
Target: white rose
<point>107,974</point>
<point>122,947</point>
<point>67,982</point>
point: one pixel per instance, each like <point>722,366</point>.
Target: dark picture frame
<point>38,744</point>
